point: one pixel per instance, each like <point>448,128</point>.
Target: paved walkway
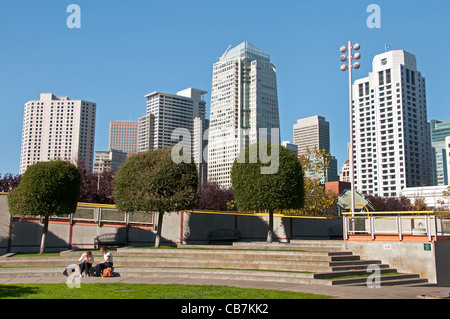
<point>341,292</point>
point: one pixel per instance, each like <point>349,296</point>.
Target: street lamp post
<point>349,67</point>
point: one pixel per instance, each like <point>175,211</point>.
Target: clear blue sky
<point>126,49</point>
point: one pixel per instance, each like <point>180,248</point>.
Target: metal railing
<point>103,213</point>
<point>430,224</point>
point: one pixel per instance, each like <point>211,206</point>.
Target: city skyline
<point>107,61</point>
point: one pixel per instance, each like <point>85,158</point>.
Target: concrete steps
<point>388,280</point>
<point>302,262</point>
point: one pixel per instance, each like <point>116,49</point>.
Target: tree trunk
<point>158,230</point>
<point>44,236</point>
<point>270,232</point>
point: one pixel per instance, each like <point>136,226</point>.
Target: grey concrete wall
<point>4,224</point>
<point>196,227</point>
<point>404,256</point>
<point>313,228</point>
<point>442,252</point>
<point>190,228</point>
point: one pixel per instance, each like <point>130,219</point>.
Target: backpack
<point>107,272</point>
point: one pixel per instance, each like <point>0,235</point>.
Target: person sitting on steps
<point>86,261</point>
<point>106,263</point>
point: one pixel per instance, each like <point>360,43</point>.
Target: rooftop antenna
<point>226,51</point>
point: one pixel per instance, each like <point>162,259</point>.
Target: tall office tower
<point>439,132</point>
<point>146,126</point>
<point>392,142</point>
<point>58,128</point>
<point>314,132</point>
<point>200,148</point>
<point>244,107</point>
<point>174,112</point>
<point>123,136</point>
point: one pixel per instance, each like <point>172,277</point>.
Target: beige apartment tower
<point>58,128</point>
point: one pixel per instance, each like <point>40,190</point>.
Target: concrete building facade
<point>392,142</point>
<point>314,132</point>
<point>123,136</point>
<point>109,160</point>
<point>146,130</point>
<point>171,112</point>
<point>58,128</point>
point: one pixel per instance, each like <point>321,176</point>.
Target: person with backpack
<point>106,263</point>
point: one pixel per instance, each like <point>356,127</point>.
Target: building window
<point>380,78</point>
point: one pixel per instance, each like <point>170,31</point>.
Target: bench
<point>223,235</point>
<point>108,240</point>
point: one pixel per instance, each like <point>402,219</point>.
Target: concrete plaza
<point>339,292</point>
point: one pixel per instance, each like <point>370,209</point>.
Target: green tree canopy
<point>316,162</point>
<point>256,187</point>
<point>151,182</point>
<point>46,189</point>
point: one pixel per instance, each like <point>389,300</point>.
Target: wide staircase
<point>298,262</point>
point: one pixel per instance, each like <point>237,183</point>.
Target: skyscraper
<point>392,142</point>
<point>171,112</point>
<point>123,136</point>
<point>244,107</point>
<point>146,129</point>
<point>199,148</point>
<point>58,128</point>
<point>312,132</point>
<point>439,132</point>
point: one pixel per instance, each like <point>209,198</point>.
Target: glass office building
<point>439,132</point>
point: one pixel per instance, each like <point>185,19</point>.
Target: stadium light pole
<point>344,67</point>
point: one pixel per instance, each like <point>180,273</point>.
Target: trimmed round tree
<point>151,182</point>
<point>46,189</point>
<point>267,183</point>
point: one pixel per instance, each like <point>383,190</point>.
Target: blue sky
<point>126,49</point>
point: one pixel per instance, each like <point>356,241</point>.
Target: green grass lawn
<point>144,291</point>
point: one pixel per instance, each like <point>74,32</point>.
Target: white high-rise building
<point>58,128</point>
<point>244,107</point>
<point>170,112</point>
<point>146,125</point>
<point>392,143</point>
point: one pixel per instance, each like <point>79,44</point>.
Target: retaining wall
<point>24,235</point>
